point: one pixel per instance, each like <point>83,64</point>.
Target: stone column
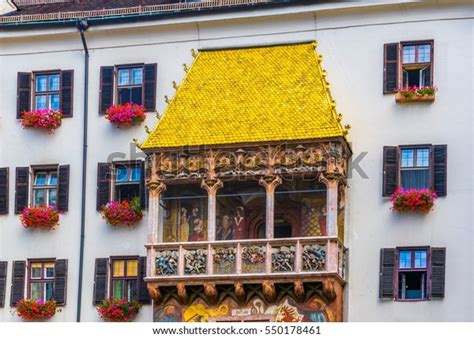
<point>211,186</point>
<point>331,183</point>
<point>270,183</point>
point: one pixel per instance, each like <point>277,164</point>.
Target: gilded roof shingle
<point>248,95</point>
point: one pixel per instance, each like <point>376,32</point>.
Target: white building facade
<point>352,37</point>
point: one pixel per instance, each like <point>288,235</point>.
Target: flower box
<point>413,200</point>
<point>415,94</point>
<point>125,212</point>
<point>46,119</point>
<point>40,217</point>
<point>35,309</point>
<point>115,310</point>
<point>126,115</point>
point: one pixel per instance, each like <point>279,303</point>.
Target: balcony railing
<point>246,259</point>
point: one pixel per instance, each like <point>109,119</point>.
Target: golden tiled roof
<point>249,95</point>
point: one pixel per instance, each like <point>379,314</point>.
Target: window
<point>412,274</point>
<point>41,280</point>
<point>47,91</point>
<point>130,85</point>
<point>416,64</point>
<point>415,168</point>
<point>127,180</point>
<point>125,278</point>
<point>45,188</point>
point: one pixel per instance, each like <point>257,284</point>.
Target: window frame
<point>34,93</point>
<point>416,43</point>
<point>415,148</point>
<point>116,81</point>
<point>35,170</point>
<point>129,165</point>
<point>398,270</point>
<point>42,280</point>
<point>125,277</point>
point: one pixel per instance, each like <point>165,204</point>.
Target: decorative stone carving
<point>154,292</point>
<point>195,262</point>
<point>314,258</point>
<point>253,259</point>
<point>182,293</point>
<point>239,292</point>
<point>283,259</point>
<point>211,293</point>
<point>299,291</point>
<point>328,289</point>
<point>269,291</point>
<point>167,262</point>
<point>224,260</point>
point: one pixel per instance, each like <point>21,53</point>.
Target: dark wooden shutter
<point>387,270</point>
<point>63,188</point>
<point>390,170</point>
<point>106,95</point>
<point>67,85</point>
<point>100,280</point>
<point>149,90</point>
<point>143,296</point>
<point>18,282</point>
<point>3,282</point>
<point>439,167</point>
<point>142,186</point>
<point>390,67</point>
<point>103,184</point>
<point>4,177</point>
<point>23,96</point>
<point>21,189</point>
<point>60,281</point>
<point>438,267</point>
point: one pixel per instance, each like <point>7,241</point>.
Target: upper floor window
<point>130,85</point>
<point>125,278</point>
<point>41,280</point>
<point>127,181</point>
<point>415,168</point>
<point>45,188</point>
<point>47,91</point>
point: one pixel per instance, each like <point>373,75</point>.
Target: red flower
<point>118,310</point>
<point>35,309</point>
<point>413,200</point>
<point>127,213</point>
<point>126,115</point>
<point>42,118</point>
<point>40,217</point>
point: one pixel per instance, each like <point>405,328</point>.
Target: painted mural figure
<point>224,229</point>
<point>184,225</point>
<point>198,232</point>
<point>238,223</point>
<point>322,220</point>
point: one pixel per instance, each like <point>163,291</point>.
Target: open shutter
<point>23,95</point>
<point>142,185</point>
<point>4,191</point>
<point>438,267</point>
<point>3,282</point>
<point>100,280</point>
<point>103,184</point>
<point>387,269</point>
<point>149,90</point>
<point>440,160</point>
<point>390,67</point>
<point>21,189</point>
<point>106,96</point>
<point>390,170</point>
<point>60,281</point>
<point>18,282</point>
<point>67,84</point>
<point>63,188</point>
<point>143,296</point>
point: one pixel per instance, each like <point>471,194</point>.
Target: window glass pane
<point>422,158</point>
<point>405,260</point>
<point>123,77</point>
<point>420,259</point>
<point>415,179</point>
<point>137,76</point>
<point>407,157</point>
<point>40,179</point>
<point>54,102</point>
<point>408,54</point>
<point>41,83</point>
<point>118,289</point>
<point>122,174</point>
<point>35,291</point>
<point>41,102</point>
<point>124,95</point>
<point>132,289</point>
<point>132,268</point>
<point>135,176</point>
<point>119,268</point>
<point>424,53</point>
<point>53,179</point>
<point>49,270</point>
<point>39,197</point>
<point>36,270</point>
<point>54,82</point>
<point>53,197</point>
<point>48,291</point>
<point>127,192</point>
<point>137,95</point>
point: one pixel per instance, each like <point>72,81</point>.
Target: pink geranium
<point>125,212</point>
<point>125,115</point>
<point>47,119</point>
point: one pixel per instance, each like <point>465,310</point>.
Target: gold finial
<point>175,85</point>
<point>339,117</point>
<point>320,58</point>
<point>185,67</point>
<point>157,114</point>
<point>193,53</point>
<point>346,129</point>
<point>167,100</point>
<point>135,141</point>
<point>147,130</point>
<point>333,104</point>
<point>324,73</point>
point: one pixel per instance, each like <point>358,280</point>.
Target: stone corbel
<point>182,293</point>
<point>239,292</point>
<point>269,291</point>
<point>299,291</point>
<point>211,293</point>
<point>155,293</point>
<point>329,290</point>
